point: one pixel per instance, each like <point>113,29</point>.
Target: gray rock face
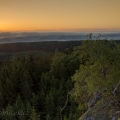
<point>114,118</point>
<point>93,100</point>
<point>90,116</point>
<point>100,110</point>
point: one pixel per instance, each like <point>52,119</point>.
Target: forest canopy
<point>57,84</point>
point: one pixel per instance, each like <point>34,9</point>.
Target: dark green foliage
<point>35,80</point>
<point>34,115</point>
<point>99,70</point>
<point>36,85</point>
<point>64,66</point>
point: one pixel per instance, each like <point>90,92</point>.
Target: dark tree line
<point>48,46</point>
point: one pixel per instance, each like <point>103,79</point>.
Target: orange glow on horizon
<point>55,15</point>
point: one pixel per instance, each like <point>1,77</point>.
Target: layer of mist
<point>13,37</point>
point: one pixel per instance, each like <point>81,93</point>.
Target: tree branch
<point>61,109</point>
<point>117,87</point>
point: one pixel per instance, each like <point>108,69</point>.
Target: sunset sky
<point>55,15</point>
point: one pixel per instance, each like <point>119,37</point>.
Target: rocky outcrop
<point>101,110</point>
<point>96,96</point>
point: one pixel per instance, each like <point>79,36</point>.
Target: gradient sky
<point>54,15</point>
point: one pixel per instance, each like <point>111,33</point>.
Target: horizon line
<point>65,30</point>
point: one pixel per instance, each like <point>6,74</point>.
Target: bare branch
<point>83,84</point>
<point>116,89</point>
<point>61,109</point>
<point>114,100</point>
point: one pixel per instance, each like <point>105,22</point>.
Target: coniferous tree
<point>34,115</point>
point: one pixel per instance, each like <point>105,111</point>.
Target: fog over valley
<point>13,37</point>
